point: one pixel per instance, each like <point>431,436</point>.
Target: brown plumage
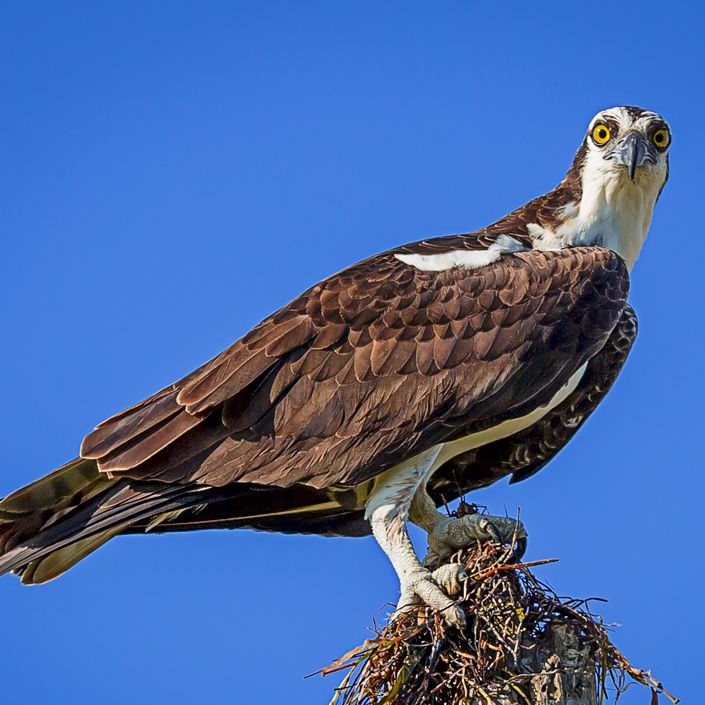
<point>278,407</point>
<point>287,428</point>
<point>376,362</point>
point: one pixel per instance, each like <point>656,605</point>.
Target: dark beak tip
<point>632,152</point>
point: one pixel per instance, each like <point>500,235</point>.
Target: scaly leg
<point>447,534</point>
<point>388,512</point>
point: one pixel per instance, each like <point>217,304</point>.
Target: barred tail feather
<point>42,570</point>
<point>50,525</point>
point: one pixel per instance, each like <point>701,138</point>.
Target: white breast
<point>614,211</point>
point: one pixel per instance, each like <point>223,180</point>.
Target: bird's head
<point>627,147</point>
<point>613,184</point>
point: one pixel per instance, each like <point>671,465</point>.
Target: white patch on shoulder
<point>544,239</point>
<point>469,259</point>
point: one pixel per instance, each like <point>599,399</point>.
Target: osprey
<point>385,390</point>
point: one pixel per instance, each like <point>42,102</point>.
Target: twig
<point>513,622</point>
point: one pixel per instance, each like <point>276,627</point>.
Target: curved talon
<point>519,543</point>
<point>454,615</point>
<point>519,550</point>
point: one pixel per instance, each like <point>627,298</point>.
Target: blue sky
<point>173,172</point>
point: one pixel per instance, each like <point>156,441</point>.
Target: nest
<point>521,644</point>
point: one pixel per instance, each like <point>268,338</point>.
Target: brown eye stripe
<point>612,125</point>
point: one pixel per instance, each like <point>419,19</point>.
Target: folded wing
<point>376,362</point>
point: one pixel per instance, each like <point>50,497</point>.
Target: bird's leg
<point>418,585</point>
<point>446,535</point>
<point>388,512</point>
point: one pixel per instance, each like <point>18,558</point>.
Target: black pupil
<point>659,137</point>
<point>602,134</point>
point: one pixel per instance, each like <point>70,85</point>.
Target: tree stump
<point>565,668</point>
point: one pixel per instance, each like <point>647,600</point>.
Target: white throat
<point>614,211</point>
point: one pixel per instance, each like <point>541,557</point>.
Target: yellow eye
<point>601,134</point>
<point>661,138</point>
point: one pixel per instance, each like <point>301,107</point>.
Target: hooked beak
<point>633,150</point>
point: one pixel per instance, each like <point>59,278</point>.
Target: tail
<point>51,524</point>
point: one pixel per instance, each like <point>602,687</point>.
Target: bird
<point>383,392</point>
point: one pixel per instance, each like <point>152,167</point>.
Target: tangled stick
<point>522,644</point>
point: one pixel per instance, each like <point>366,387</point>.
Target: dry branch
<point>522,645</point>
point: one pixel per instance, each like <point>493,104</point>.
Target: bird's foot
<point>450,534</point>
<point>435,589</point>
